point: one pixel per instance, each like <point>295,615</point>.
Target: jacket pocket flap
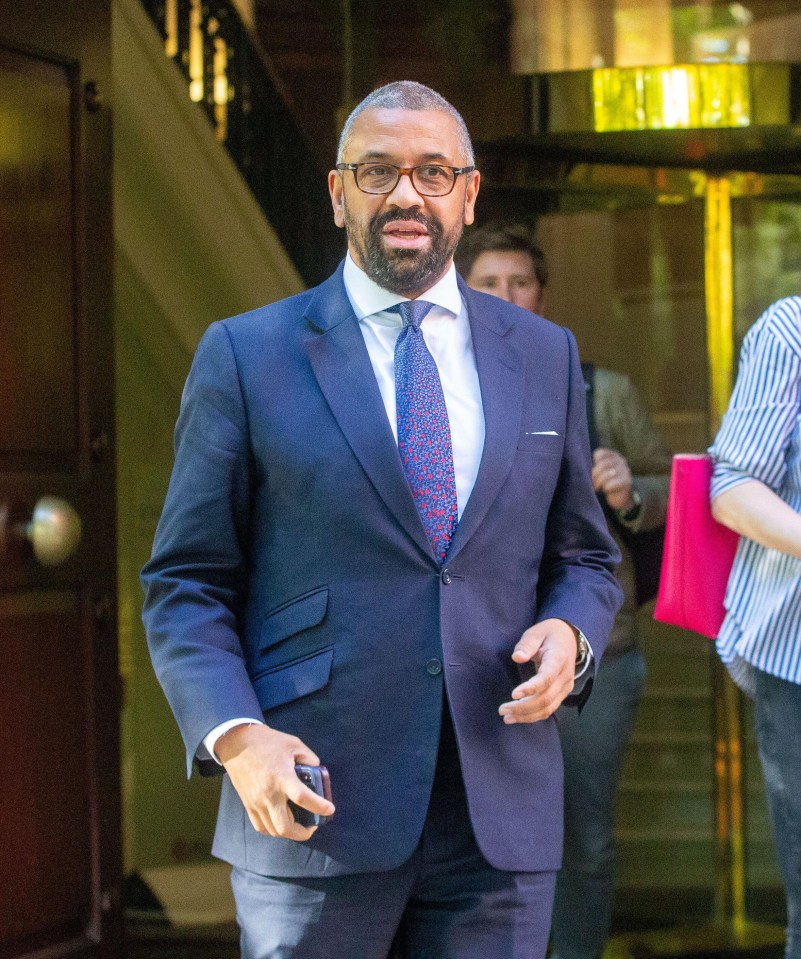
<point>297,678</point>
<point>293,617</point>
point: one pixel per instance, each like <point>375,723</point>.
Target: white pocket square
<point>542,433</point>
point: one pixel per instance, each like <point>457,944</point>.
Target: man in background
<point>631,472</point>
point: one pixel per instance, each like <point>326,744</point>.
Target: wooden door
<point>59,687</point>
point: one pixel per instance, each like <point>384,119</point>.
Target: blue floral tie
<point>424,434</point>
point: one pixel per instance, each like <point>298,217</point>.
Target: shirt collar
<point>367,297</point>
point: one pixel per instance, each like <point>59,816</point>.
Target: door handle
<point>54,530</point>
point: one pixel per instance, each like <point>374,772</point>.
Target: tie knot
<point>412,312</point>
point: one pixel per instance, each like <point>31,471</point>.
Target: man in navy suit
<point>311,598</point>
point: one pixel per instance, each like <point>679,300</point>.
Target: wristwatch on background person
<point>629,515</point>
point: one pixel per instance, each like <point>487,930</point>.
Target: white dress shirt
<point>446,331</point>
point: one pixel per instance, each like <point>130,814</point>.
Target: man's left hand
<point>552,645</point>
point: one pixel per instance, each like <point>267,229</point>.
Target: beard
<point>402,271</point>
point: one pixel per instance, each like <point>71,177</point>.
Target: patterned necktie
<point>424,434</point>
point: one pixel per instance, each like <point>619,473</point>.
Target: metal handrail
<point>230,76</point>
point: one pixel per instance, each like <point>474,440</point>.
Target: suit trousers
<point>445,902</point>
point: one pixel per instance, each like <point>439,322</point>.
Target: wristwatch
<point>582,647</point>
<point>629,515</point>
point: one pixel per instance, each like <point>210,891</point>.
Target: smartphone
<point>317,779</point>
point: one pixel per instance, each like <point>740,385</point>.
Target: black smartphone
<point>317,779</point>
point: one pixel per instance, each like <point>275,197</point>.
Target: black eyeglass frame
<point>404,171</point>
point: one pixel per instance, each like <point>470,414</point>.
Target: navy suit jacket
<point>291,578</point>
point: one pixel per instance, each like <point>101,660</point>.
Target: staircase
<point>230,77</point>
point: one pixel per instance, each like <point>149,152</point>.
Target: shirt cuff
<point>206,749</point>
<point>725,478</point>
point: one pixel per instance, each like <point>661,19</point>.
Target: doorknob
<point>54,530</point>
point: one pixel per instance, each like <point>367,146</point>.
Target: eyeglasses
<point>429,179</point>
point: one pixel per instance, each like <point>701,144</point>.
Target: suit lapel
<point>501,368</point>
<point>342,366</point>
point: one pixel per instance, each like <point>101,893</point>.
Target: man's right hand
<point>261,763</point>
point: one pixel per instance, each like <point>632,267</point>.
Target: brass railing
<point>229,75</point>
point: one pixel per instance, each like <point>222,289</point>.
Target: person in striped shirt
<point>756,491</point>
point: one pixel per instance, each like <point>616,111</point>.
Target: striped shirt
<point>760,439</point>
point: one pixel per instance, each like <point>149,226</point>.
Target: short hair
<point>407,95</point>
<point>500,238</point>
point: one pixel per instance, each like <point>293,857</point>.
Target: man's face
<point>508,274</point>
<point>402,240</point>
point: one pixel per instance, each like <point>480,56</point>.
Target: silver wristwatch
<point>583,647</point>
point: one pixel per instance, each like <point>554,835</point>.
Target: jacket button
<point>433,667</point>
<point>445,576</point>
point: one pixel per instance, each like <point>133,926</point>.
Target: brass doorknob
<point>54,530</point>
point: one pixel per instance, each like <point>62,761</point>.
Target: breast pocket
<point>546,442</point>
